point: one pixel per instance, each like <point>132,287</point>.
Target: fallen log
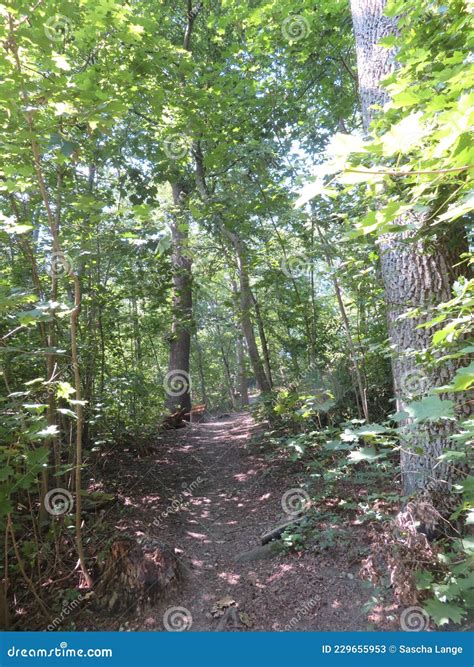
<point>175,420</point>
<point>93,501</point>
<point>277,532</point>
<point>198,413</point>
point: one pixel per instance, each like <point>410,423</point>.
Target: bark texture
<point>241,371</point>
<point>416,274</point>
<point>263,341</point>
<point>241,374</point>
<point>178,383</point>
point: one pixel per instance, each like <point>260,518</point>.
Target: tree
<point>178,380</point>
<point>418,272</point>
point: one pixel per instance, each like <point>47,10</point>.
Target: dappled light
<point>236,307</point>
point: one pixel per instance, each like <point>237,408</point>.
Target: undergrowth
<point>352,476</point>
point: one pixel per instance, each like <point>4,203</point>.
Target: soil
<point>210,491</point>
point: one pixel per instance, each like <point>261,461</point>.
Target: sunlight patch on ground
<point>199,536</point>
<point>230,577</point>
<point>282,570</point>
<point>244,476</point>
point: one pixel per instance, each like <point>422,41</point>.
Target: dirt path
<point>211,492</point>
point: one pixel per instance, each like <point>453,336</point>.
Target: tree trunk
<point>241,372</point>
<point>178,382</point>
<point>202,379</point>
<point>227,373</point>
<point>245,310</point>
<point>245,292</point>
<point>414,277</point>
<point>361,385</point>
<point>263,341</point>
<point>241,382</point>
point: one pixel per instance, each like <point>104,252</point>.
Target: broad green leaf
<point>463,380</point>
<point>404,135</point>
<point>431,408</point>
<point>371,429</point>
<point>443,612</point>
<point>455,211</point>
<point>452,455</point>
<point>365,454</point>
<point>342,145</point>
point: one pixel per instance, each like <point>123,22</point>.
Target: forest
<point>236,315</point>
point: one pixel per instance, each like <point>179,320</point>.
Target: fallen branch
<point>277,532</point>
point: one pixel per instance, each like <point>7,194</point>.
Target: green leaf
<point>66,411</point>
<point>452,455</point>
<point>37,456</point>
<point>5,504</point>
<point>336,445</point>
<point>404,135</point>
<point>360,174</point>
<point>312,190</point>
<point>47,432</point>
<point>64,390</point>
<point>466,487</point>
<point>31,316</point>
<point>467,544</point>
<point>364,454</point>
<point>424,579</point>
<point>464,379</point>
<point>470,518</point>
<point>13,228</point>
<point>443,612</point>
<point>406,98</point>
<point>6,472</point>
<point>458,209</point>
<point>371,429</point>
<point>343,145</point>
<point>430,408</point>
